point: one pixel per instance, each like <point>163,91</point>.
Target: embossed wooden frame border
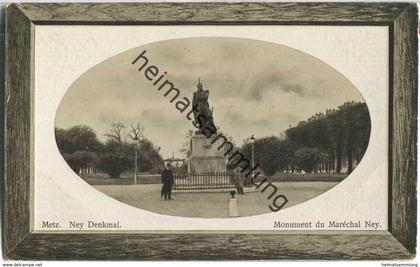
<point>396,243</point>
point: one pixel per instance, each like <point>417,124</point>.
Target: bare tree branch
<point>116,133</point>
<point>136,133</point>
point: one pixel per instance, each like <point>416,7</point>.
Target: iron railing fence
<point>213,180</point>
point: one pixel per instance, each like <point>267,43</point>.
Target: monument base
<point>205,157</point>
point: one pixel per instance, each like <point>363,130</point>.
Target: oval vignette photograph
<point>212,127</point>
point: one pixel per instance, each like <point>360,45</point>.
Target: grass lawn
<point>125,179</point>
<point>307,177</point>
<point>211,205</point>
<point>144,178</point>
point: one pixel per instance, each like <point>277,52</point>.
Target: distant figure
<point>167,181</point>
<point>239,181</point>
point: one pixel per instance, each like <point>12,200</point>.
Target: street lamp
<point>136,141</point>
<point>252,139</point>
<point>135,134</point>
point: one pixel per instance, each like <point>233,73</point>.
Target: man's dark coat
<point>167,177</point>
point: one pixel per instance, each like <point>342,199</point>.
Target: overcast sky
<point>255,88</point>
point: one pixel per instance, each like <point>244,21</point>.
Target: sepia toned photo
<point>212,127</point>
<point>210,131</point>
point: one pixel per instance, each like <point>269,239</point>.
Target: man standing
<point>239,180</point>
<point>167,181</point>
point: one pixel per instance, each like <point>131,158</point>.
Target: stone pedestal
<point>205,157</point>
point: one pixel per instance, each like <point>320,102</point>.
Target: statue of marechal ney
<point>201,108</point>
<point>204,156</point>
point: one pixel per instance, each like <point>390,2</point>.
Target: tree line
<point>322,143</point>
<point>84,153</point>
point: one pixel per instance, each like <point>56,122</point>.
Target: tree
<point>116,135</point>
<point>343,133</point>
<point>271,153</point>
<point>308,158</point>
<point>80,159</point>
<point>113,164</point>
<point>79,146</point>
<point>61,140</point>
<point>149,157</point>
<point>77,138</point>
<point>72,162</point>
<point>136,135</point>
<point>81,149</point>
<point>144,164</point>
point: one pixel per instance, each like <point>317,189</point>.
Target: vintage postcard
<point>210,128</point>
